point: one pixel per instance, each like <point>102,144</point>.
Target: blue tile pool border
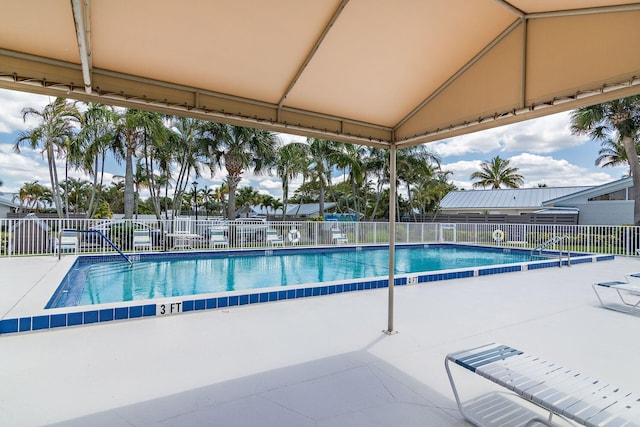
<point>137,310</point>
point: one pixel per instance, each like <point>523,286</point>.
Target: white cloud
<point>17,169</point>
<point>11,109</point>
<point>556,172</point>
<point>29,166</point>
<point>462,170</point>
<point>480,142</point>
<point>544,135</point>
<point>536,170</point>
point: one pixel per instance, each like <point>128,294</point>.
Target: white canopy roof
<point>375,72</point>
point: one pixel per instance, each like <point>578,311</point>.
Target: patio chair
<point>183,236</point>
<point>273,238</point>
<point>564,393</point>
<point>628,292</point>
<point>218,239</point>
<point>141,239</point>
<point>68,241</point>
<point>338,237</point>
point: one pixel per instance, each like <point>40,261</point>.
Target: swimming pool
<point>54,315</point>
<point>179,275</point>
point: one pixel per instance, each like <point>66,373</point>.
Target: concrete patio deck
<point>319,361</point>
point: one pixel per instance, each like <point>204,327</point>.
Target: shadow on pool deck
<point>349,389</point>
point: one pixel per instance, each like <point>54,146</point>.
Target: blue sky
<point>543,149</point>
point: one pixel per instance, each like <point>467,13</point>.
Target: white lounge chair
<point>218,239</point>
<point>563,392</point>
<point>141,239</point>
<point>627,291</point>
<point>273,238</point>
<point>67,241</point>
<point>338,237</point>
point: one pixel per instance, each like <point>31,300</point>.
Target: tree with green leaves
<point>114,196</point>
<point>237,149</point>
<point>136,130</point>
<point>377,167</point>
<point>321,158</point>
<point>617,121</point>
<point>290,163</point>
<point>57,122</point>
<point>184,142</point>
<point>97,136</point>
<point>248,196</point>
<point>415,165</point>
<point>33,196</point>
<point>76,193</point>
<point>430,190</point>
<point>496,173</point>
<point>351,159</point>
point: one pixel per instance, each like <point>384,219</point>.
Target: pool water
<point>165,276</point>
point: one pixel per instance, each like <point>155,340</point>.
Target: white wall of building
<point>610,212</point>
<point>4,210</point>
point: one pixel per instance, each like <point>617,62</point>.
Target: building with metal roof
<point>503,201</point>
<point>610,203</point>
<point>607,204</point>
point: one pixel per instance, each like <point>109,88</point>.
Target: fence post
<point>628,241</point>
<point>375,232</point>
<point>10,238</point>
<point>315,232</point>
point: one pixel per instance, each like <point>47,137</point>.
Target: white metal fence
<point>36,236</point>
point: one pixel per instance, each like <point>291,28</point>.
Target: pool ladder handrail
<point>113,245</point>
<point>554,240</point>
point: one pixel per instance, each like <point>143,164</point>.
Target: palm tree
<point>414,165</point>
<point>96,136</point>
<point>612,153</point>
<point>351,159</point>
<point>184,138</point>
<point>33,196</point>
<point>322,153</point>
<point>140,181</point>
<point>237,148</point>
<point>77,194</point>
<point>247,197</point>
<point>208,196</point>
<point>136,130</point>
<point>290,163</point>
<point>276,204</point>
<point>429,191</point>
<point>377,166</point>
<point>268,202</point>
<point>496,173</point>
<point>55,128</point>
<point>114,196</point>
<point>155,154</point>
<point>617,120</point>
